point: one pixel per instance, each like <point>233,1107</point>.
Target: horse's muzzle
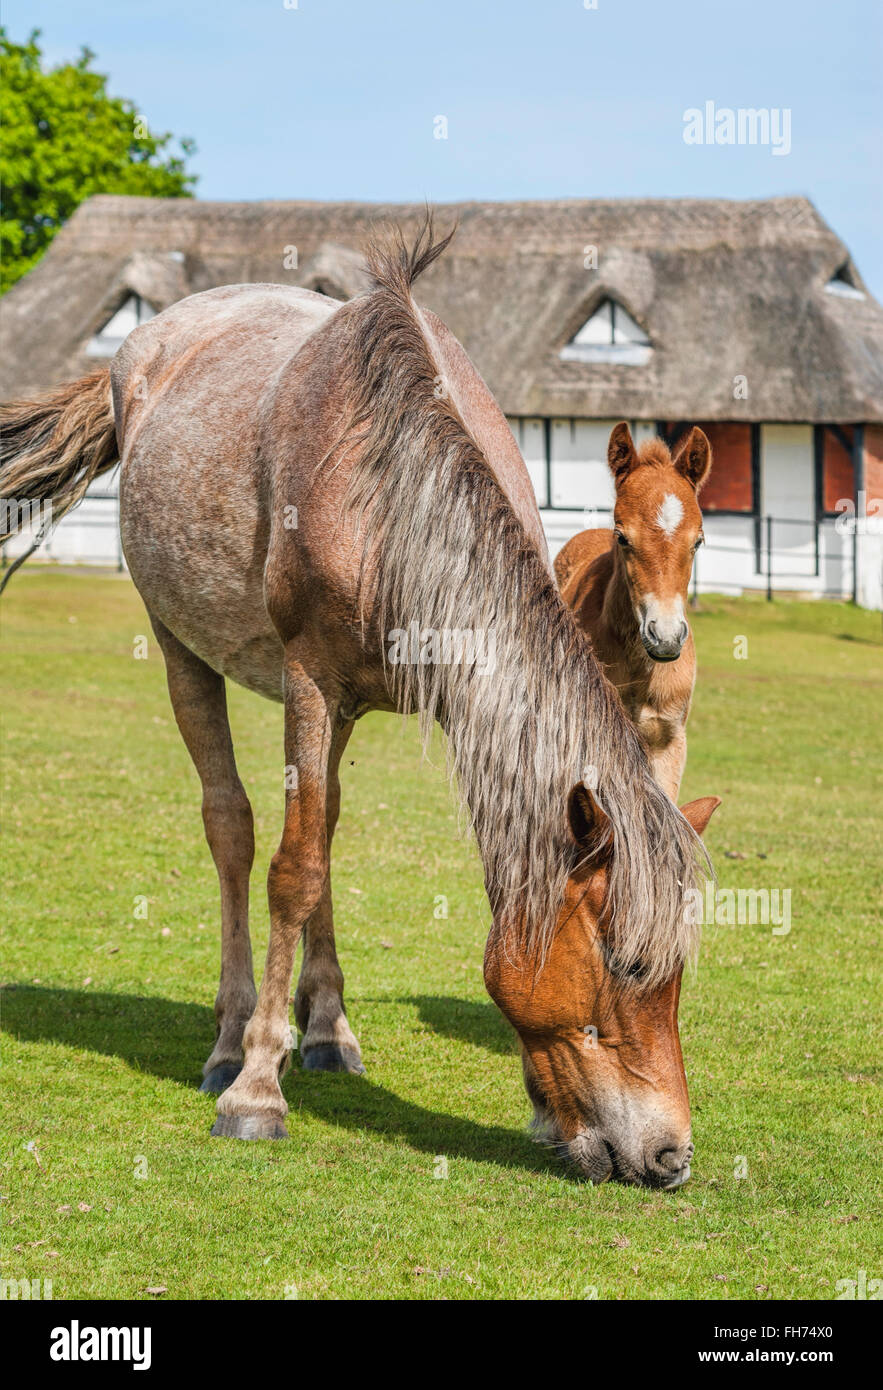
<point>598,1159</point>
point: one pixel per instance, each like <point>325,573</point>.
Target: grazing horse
<point>299,480</point>
<point>628,589</point>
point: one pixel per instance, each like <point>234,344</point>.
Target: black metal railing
<point>764,550</point>
<point>773,560</point>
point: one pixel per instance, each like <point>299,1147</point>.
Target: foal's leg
<point>328,1042</point>
<point>254,1107</point>
<point>199,700</point>
<point>667,764</point>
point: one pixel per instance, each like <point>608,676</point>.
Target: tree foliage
<point>64,138</point>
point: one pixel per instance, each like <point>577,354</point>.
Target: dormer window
<point>132,312</point>
<point>842,284</point>
<point>609,335</point>
<point>329,288</point>
<point>339,272</point>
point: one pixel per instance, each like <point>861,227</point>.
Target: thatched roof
<point>722,289</point>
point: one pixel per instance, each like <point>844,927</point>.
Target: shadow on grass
<point>170,1040</point>
<point>477,1022</point>
<point>862,641</point>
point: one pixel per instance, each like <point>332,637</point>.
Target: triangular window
<point>132,312</point>
<point>842,284</point>
<point>609,335</point>
<point>329,288</point>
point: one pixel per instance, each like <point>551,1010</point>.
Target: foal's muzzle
<point>664,643</point>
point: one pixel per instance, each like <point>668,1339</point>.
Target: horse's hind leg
<point>199,700</point>
<point>328,1042</point>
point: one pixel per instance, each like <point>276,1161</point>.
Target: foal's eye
<point>700,540</point>
<point>621,540</point>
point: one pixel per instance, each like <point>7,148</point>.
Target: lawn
<point>111,1184</point>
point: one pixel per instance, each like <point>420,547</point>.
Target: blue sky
<point>337,98</point>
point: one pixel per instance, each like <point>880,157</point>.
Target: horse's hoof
<point>248,1127</point>
<point>220,1077</point>
<point>332,1057</point>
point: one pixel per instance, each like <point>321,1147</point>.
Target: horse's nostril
<point>685,632</point>
<point>673,1159</point>
<point>651,632</point>
<point>669,1159</point>
<point>670,1166</point>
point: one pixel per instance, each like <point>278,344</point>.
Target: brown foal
<point>628,589</point>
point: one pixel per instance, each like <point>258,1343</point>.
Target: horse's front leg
<point>328,1042</point>
<point>254,1107</point>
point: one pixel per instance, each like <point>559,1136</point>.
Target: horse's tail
<point>53,446</point>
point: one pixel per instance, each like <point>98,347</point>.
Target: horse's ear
<point>700,812</point>
<point>693,458</point>
<point>588,823</point>
<point>622,456</point>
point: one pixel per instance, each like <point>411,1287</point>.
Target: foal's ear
<point>700,812</point>
<point>588,823</point>
<point>693,458</point>
<point>622,456</point>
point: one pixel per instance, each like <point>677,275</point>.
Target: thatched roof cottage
<point>748,318</point>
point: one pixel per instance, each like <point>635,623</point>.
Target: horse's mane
<point>449,552</point>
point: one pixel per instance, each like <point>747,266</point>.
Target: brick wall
<point>728,488</point>
<point>837,470</point>
<point>874,462</point>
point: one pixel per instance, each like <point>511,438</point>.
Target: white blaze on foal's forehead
<point>670,513</point>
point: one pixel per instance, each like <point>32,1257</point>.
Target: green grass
<point>108,1019</point>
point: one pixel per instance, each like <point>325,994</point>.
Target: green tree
<point>63,139</point>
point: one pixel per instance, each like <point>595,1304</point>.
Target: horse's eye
<point>700,540</point>
<point>621,540</point>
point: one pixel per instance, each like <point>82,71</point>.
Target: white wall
<point>531,438</point>
<point>579,472</point>
<point>89,535</point>
<point>870,567</point>
<point>580,476</point>
<point>580,483</point>
<point>787,493</point>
